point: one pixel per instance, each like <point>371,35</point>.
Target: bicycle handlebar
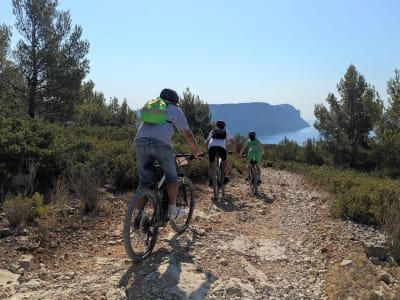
<point>187,155</point>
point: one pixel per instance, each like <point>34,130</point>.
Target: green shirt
<point>254,147</point>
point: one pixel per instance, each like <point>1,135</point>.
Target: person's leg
<point>172,189</point>
<point>166,158</point>
<point>250,157</point>
<point>222,154</point>
<point>258,160</point>
<point>211,164</point>
<point>143,158</point>
<point>224,164</point>
<point>248,170</point>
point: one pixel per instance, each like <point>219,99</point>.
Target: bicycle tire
<point>254,180</point>
<point>185,201</point>
<point>145,230</point>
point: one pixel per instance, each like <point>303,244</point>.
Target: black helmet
<point>170,95</point>
<point>252,135</point>
<point>220,124</point>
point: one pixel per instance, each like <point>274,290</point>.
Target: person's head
<point>252,135</point>
<point>170,95</point>
<point>220,124</point>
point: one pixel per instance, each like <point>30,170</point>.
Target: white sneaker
<point>180,213</point>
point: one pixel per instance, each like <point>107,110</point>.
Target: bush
<point>124,173</point>
<point>360,197</point>
<point>84,183</point>
<point>22,210</point>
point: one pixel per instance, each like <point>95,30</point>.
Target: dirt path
<point>279,245</point>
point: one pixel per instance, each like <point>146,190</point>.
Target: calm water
<point>299,136</point>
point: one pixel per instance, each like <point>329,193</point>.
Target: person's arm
<point>208,141</point>
<point>188,135</point>
<point>231,140</point>
<point>261,146</point>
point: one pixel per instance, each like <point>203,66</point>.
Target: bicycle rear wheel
<point>140,233</point>
<point>185,201</point>
<point>216,183</point>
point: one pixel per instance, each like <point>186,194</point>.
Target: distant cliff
<point>261,117</point>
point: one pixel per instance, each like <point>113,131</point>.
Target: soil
<point>280,244</point>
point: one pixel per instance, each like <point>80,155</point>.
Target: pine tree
<point>388,132</point>
<point>51,56</point>
<point>345,128</point>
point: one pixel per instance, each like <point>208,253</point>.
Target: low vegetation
<point>60,141</point>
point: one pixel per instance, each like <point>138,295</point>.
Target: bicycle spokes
<point>140,231</point>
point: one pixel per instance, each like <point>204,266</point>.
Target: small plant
<point>22,210</point>
<point>43,225</point>
<point>84,183</point>
<point>17,211</point>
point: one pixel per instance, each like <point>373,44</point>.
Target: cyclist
<point>154,142</point>
<point>255,151</point>
<point>216,142</point>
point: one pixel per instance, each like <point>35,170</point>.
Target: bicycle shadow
<point>264,197</point>
<point>229,203</point>
<point>172,274</point>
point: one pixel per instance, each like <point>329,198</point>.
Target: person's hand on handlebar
<point>198,155</point>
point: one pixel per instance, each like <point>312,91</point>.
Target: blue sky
<point>230,51</point>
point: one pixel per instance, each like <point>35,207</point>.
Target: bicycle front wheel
<point>140,232</point>
<point>184,201</point>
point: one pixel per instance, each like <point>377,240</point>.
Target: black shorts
<point>213,151</point>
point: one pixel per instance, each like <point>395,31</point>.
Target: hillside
<point>280,245</point>
<point>262,117</point>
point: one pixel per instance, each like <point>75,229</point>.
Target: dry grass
<point>362,280</point>
<point>391,227</point>
<point>17,211</point>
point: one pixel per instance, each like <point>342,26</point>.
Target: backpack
<point>154,111</point>
<point>219,134</point>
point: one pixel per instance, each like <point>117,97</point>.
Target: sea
<point>298,136</point>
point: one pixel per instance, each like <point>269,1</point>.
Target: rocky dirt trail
<point>281,244</point>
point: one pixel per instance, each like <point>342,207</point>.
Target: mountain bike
<point>254,178</point>
<point>141,229</point>
<point>218,182</point>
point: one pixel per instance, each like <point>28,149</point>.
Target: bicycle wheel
<point>140,233</point>
<point>254,180</point>
<point>215,182</point>
<point>185,201</point>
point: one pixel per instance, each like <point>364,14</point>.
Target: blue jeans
<point>148,150</point>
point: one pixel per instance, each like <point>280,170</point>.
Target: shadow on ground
<point>168,274</point>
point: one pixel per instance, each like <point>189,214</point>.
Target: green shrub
<point>197,169</point>
<point>357,204</point>
<point>124,172</point>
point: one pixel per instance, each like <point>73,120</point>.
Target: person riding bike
<point>154,142</point>
<point>216,142</point>
<point>255,151</point>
